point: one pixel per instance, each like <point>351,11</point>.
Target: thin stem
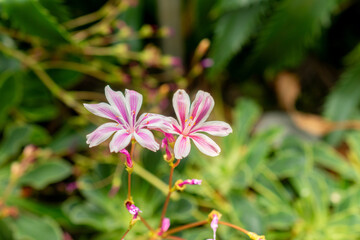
<point>129,186</point>
<point>79,67</point>
<point>165,207</point>
<point>122,238</point>
<point>233,226</point>
<point>129,172</point>
<point>168,196</point>
<point>187,226</point>
<point>146,223</point>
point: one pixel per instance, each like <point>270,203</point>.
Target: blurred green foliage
<point>56,54</point>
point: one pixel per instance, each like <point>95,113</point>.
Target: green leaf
<point>246,114</point>
<point>32,18</point>
<point>329,158</point>
<point>296,24</point>
<point>232,31</point>
<point>10,94</point>
<point>287,163</point>
<point>40,208</point>
<point>87,213</point>
<point>249,215</point>
<point>57,9</point>
<point>46,173</point>
<point>30,227</point>
<point>230,5</point>
<point>5,231</point>
<point>344,99</point>
<point>16,137</point>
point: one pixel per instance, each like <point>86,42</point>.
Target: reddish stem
<point>187,226</point>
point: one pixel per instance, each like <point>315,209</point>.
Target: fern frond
<point>295,25</point>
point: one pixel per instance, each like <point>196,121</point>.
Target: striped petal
<point>117,101</point>
<point>102,133</point>
<point>201,107</point>
<point>153,121</point>
<point>146,139</point>
<point>102,110</point>
<point>120,140</point>
<point>181,103</point>
<point>133,103</point>
<point>182,147</point>
<point>205,144</point>
<point>215,128</point>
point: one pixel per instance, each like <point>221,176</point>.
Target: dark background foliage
<point>284,73</point>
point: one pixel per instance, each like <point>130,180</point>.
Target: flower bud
<point>254,236</point>
<point>180,184</point>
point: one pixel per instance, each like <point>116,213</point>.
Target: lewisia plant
<point>123,111</point>
<point>191,124</point>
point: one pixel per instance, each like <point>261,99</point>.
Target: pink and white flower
<point>133,210</point>
<point>123,111</point>
<point>192,124</point>
<point>214,225</point>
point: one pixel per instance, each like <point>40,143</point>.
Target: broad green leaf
<point>45,173</point>
<point>31,227</point>
<point>69,138</point>
<point>32,18</point>
<point>40,113</point>
<point>40,208</point>
<point>87,213</point>
<point>295,24</point>
<point>16,137</point>
<point>232,31</point>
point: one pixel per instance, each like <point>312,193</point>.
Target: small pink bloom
<point>133,210</point>
<point>164,226</point>
<point>123,111</point>
<point>192,122</point>
<point>129,162</point>
<point>71,187</point>
<point>190,182</point>
<point>207,62</point>
<point>214,224</point>
<point>165,144</point>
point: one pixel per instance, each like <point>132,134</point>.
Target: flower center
<point>189,123</point>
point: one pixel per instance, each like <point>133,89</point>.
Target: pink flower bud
<point>164,226</point>
<point>129,162</point>
<point>214,224</point>
<point>71,187</point>
<point>190,182</point>
<point>133,210</point>
<point>207,62</point>
<point>165,144</point>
